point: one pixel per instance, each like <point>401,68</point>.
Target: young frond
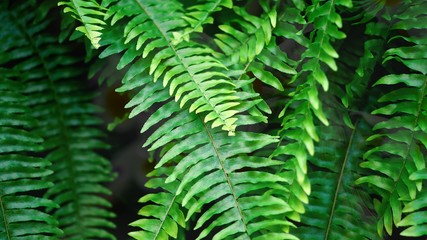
<point>248,44</point>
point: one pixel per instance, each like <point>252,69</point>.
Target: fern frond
<point>215,173</point>
<point>249,32</point>
<point>337,208</point>
<point>215,170</point>
<point>403,144</point>
<point>326,22</point>
<point>298,128</point>
<point>368,10</point>
<point>248,44</point>
<point>162,216</point>
<point>21,172</point>
<point>203,172</point>
<point>191,72</point>
<point>63,111</point>
<point>90,14</point>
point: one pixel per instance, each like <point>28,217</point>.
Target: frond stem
<point>324,30</point>
<point>246,69</point>
<point>6,224</point>
<point>331,216</point>
<point>227,178</point>
<point>60,114</point>
<point>171,46</point>
<point>165,216</point>
<point>420,101</point>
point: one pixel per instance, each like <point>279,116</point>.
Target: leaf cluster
<point>267,119</point>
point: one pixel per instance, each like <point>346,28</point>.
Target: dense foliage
<point>268,119</point>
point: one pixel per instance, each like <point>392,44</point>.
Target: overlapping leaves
<point>21,172</point>
<point>199,15</point>
<point>190,71</point>
<point>213,173</point>
<point>62,111</point>
<point>399,159</point>
<point>337,208</point>
<point>216,171</point>
<point>90,14</point>
<point>248,44</point>
<point>213,170</point>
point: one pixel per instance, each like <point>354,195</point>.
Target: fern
<point>199,15</point>
<point>256,114</point>
<point>336,169</point>
<point>21,171</point>
<point>215,159</point>
<point>248,45</point>
<point>63,119</point>
<point>187,68</point>
<point>415,220</point>
<point>401,133</point>
<point>90,15</point>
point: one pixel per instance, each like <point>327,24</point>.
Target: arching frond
<point>190,71</point>
<point>21,172</point>
<point>298,127</point>
<point>215,172</point>
<point>401,148</point>
<point>400,156</point>
<point>63,115</point>
<point>325,21</point>
<point>374,48</point>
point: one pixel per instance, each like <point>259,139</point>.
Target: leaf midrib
<point>6,225</point>
<point>171,46</point>
<point>337,189</point>
<point>230,185</point>
<point>422,94</point>
<point>64,130</point>
<point>162,221</point>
